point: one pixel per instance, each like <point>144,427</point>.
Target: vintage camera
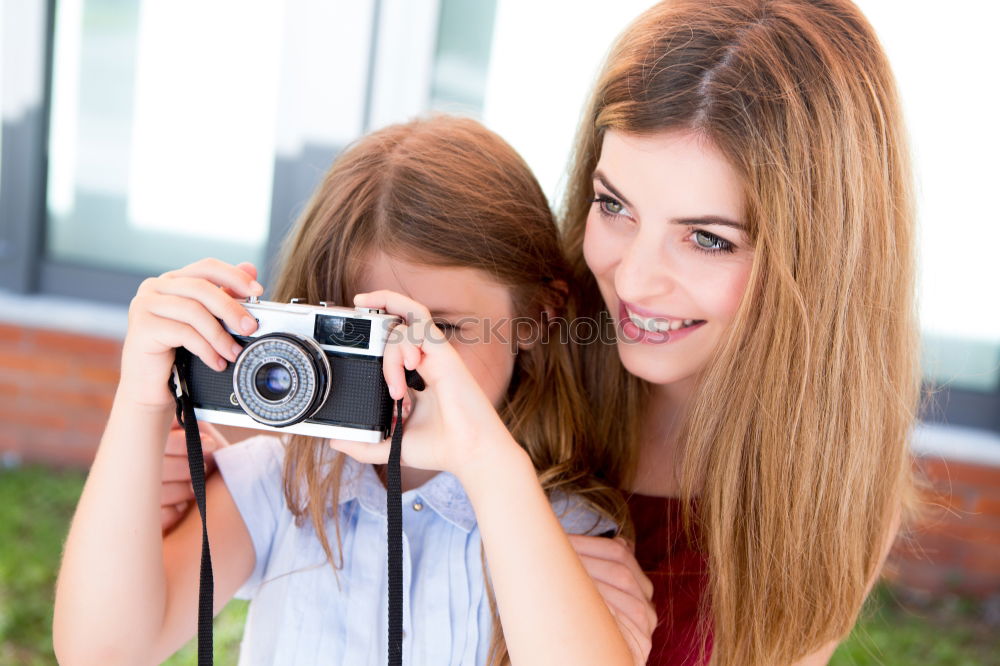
<point>309,370</point>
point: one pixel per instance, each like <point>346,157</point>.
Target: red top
<point>679,574</point>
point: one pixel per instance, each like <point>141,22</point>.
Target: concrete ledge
<point>64,314</point>
<point>970,445</point>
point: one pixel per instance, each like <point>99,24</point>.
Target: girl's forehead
<point>445,290</point>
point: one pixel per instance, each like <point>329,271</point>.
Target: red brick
<point>9,438</point>
<point>77,345</point>
<point>921,577</point>
<point>987,506</point>
<point>35,364</point>
<point>34,418</point>
<point>101,375</point>
<point>973,534</point>
<point>10,334</point>
<point>949,471</point>
<point>982,560</point>
<point>56,451</point>
<point>98,398</point>
<point>933,548</point>
<point>947,500</point>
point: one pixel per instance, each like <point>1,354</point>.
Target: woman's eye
<point>610,206</point>
<point>446,327</point>
<point>711,242</point>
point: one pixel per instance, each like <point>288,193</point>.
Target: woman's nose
<point>643,275</point>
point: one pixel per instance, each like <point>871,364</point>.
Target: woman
<point>740,205</point>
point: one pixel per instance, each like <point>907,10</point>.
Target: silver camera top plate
<point>334,328</point>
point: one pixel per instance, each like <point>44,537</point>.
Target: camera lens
<point>281,379</point>
<point>273,381</point>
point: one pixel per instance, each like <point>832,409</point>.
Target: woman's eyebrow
<point>709,220</point>
<point>598,176</point>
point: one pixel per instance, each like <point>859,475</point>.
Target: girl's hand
<point>182,308</point>
<point>176,493</point>
<point>625,588</point>
<point>451,424</point>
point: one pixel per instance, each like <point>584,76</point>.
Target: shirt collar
<point>443,493</point>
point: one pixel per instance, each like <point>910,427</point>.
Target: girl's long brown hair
<point>445,191</point>
<point>797,440</point>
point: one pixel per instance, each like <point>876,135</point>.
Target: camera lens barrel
<point>281,379</point>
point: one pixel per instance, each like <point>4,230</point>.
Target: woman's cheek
<point>597,246</point>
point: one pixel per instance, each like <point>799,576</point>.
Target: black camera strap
<point>394,519</point>
<point>196,463</point>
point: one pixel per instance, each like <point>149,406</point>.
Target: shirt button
<point>417,506</point>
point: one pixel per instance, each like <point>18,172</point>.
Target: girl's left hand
<point>451,425</point>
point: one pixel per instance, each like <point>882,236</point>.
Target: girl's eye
<point>711,243</point>
<point>446,327</point>
<point>609,207</point>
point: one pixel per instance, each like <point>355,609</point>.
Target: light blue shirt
<point>301,612</point>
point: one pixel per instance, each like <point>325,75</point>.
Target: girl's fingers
<point>171,515</point>
<point>176,468</point>
<point>193,315</point>
<point>615,552</point>
<point>376,454</point>
<point>175,492</point>
<point>638,611</point>
<point>172,333</point>
<point>417,316</point>
<point>640,642</point>
<point>394,303</point>
<point>220,273</point>
<point>247,268</point>
<point>393,362</point>
<point>218,304</point>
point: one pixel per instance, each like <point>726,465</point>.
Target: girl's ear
<point>554,299</point>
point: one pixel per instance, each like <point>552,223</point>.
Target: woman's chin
<point>647,365</point>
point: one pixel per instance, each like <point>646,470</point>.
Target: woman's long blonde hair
<point>796,444</point>
<point>445,191</point>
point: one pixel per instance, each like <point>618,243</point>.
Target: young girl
<point>741,204</point>
<point>446,213</point>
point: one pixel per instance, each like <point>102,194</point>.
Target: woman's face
<point>666,241</point>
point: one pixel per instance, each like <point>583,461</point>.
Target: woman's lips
<point>633,333</point>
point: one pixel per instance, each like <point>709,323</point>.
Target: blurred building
<point>138,136</point>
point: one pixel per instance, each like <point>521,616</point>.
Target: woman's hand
<point>625,588</point>
<point>182,308</point>
<point>176,493</point>
<point>451,425</point>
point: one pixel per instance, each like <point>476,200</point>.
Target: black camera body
<point>307,369</point>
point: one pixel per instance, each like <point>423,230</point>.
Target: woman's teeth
<point>658,325</point>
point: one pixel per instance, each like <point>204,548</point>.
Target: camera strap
<point>196,463</point>
<point>394,519</point>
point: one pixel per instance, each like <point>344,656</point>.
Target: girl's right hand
<point>626,590</point>
<point>182,308</point>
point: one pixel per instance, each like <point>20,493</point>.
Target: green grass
<point>36,505</point>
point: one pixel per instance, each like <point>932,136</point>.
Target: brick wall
<point>55,393</point>
<point>56,389</point>
<point>954,546</point>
